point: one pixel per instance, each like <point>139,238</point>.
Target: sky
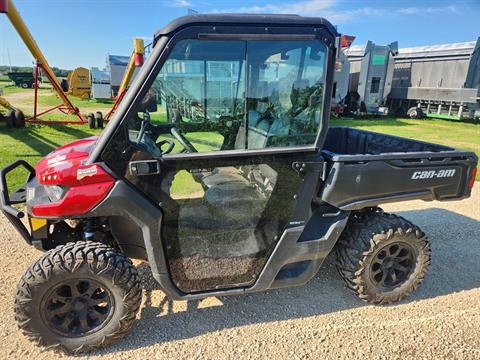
<point>75,33</point>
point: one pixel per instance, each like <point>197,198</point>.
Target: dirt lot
<point>321,320</point>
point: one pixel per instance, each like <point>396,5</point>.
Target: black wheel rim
<point>392,265</point>
<point>78,307</point>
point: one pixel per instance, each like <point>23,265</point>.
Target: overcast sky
<point>75,33</point>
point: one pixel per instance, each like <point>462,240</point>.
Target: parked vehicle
<point>252,195</point>
<point>24,80</point>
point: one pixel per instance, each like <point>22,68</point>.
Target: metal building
<point>101,88</point>
<point>116,66</point>
<point>440,80</point>
<point>371,72</point>
<point>340,78</point>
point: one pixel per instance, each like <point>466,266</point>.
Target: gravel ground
<point>320,320</point>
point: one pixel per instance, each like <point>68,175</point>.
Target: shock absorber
<point>96,230</point>
<point>89,230</point>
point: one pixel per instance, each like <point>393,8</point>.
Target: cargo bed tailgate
<point>358,181</point>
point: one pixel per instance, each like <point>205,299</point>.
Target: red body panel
<point>3,6</point>
<point>77,201</point>
<point>474,175</point>
<point>86,185</point>
<point>67,155</point>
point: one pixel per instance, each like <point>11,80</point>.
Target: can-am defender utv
<point>219,170</point>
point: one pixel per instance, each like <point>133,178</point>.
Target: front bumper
<point>18,197</point>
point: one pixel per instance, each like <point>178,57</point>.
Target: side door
<point>228,118</point>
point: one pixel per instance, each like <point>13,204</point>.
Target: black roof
<point>243,19</point>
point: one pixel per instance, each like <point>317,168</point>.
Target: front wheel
<point>19,119</point>
<point>78,297</point>
<point>99,119</point>
<point>91,121</point>
<point>382,257</point>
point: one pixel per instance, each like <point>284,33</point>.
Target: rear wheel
<point>382,257</point>
<point>78,297</point>
<point>415,113</point>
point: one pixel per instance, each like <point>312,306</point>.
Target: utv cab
<point>219,170</point>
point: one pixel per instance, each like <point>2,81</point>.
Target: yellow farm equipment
<point>7,7</point>
<point>136,60</point>
<point>79,84</point>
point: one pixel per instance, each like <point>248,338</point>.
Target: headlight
<point>54,192</point>
<point>30,194</point>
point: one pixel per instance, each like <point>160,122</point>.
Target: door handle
<point>144,167</point>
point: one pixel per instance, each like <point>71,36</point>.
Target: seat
<point>230,191</point>
<point>234,200</point>
<point>231,174</point>
<point>223,175</point>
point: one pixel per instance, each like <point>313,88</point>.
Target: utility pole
<point>9,59</point>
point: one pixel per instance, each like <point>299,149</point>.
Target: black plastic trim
<point>264,20</point>
<point>286,37</point>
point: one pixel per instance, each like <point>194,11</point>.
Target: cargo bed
<point>365,168</point>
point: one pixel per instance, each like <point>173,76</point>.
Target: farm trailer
<point>437,81</point>
<point>24,79</point>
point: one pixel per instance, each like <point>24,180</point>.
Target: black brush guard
<point>6,201</point>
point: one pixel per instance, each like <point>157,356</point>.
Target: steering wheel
<point>183,141</point>
<point>171,145</point>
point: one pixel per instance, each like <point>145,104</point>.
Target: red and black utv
<point>219,169</point>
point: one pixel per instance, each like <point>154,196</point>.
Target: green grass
<point>53,100</point>
<point>9,89</point>
<point>35,141</point>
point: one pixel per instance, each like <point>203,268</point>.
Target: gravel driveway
<point>320,320</point>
